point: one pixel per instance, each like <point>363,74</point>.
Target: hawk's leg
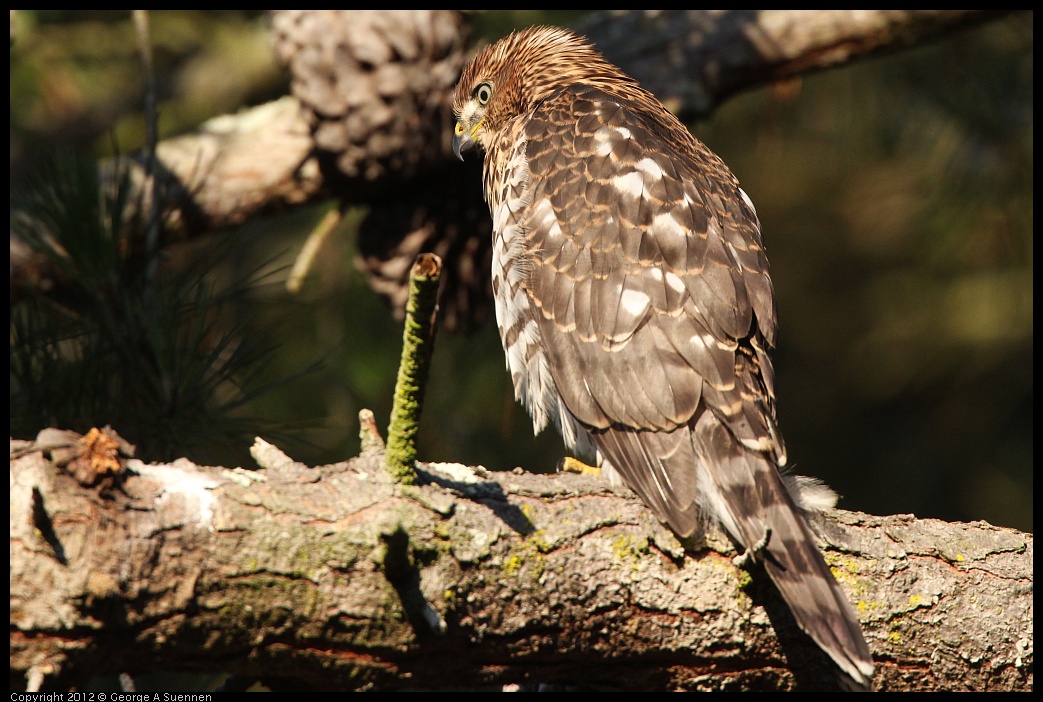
<point>574,465</point>
<point>752,554</point>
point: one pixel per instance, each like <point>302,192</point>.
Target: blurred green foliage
<point>157,351</point>
<point>896,201</point>
<point>895,197</point>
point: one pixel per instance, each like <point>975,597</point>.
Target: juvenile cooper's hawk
<point>634,304</point>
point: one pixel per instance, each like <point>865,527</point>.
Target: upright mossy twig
<point>417,345</point>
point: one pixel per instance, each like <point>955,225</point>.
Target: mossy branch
<point>418,340</point>
<point>291,563</point>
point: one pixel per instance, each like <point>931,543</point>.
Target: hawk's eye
<point>483,92</point>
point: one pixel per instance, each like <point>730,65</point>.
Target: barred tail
<point>744,490</point>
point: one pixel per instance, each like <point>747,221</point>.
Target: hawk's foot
<point>574,465</point>
<point>752,554</point>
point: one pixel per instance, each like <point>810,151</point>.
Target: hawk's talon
<point>568,464</point>
<point>752,554</point>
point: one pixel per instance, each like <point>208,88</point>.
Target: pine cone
<point>377,86</point>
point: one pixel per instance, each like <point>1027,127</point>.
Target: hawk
<point>632,296</point>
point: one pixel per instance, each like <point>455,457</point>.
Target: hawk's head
<point>508,79</point>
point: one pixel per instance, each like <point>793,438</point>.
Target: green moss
<point>528,556</point>
<point>512,564</point>
<point>626,549</point>
<point>539,542</point>
<point>846,571</point>
<point>745,579</point>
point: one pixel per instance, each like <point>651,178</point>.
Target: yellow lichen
<point>512,565</point>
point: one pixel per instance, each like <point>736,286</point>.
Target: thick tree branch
<point>338,579</point>
<point>693,60</point>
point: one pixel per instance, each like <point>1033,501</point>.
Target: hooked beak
<point>463,139</point>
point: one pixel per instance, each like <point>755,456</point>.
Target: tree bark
<point>693,60</point>
<point>335,578</point>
